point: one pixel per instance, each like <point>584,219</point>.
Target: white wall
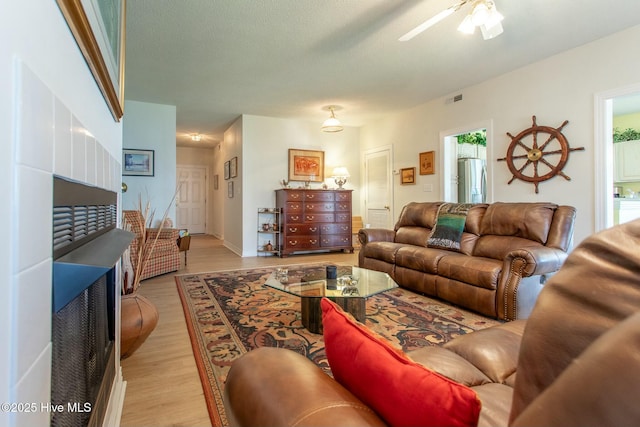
<point>50,101</point>
<point>556,89</point>
<point>152,127</point>
<point>262,144</point>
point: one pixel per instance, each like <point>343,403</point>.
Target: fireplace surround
<point>87,246</point>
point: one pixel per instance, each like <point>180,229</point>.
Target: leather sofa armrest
<point>278,387</point>
<point>537,261</point>
<point>368,235</point>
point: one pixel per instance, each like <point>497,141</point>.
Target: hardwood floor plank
<point>163,386</point>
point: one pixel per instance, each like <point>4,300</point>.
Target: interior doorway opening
<point>466,171</point>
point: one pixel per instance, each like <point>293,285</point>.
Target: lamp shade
<point>340,171</point>
<point>332,124</point>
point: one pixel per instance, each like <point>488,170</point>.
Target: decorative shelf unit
<point>269,231</point>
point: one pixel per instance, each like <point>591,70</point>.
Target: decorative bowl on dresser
<point>314,220</point>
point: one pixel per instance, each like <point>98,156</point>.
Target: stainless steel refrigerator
<point>472,181</point>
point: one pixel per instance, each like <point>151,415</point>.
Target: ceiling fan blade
<point>432,21</point>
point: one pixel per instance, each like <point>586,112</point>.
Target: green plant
<point>474,138</point>
<point>626,135</point>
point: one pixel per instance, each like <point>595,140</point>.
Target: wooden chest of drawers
<point>314,220</point>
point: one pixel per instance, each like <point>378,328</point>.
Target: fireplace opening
<point>83,355</point>
<point>87,246</point>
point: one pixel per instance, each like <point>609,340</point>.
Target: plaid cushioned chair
<point>165,254</point>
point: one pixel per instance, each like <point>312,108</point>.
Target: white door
<point>378,188</point>
<point>191,201</point>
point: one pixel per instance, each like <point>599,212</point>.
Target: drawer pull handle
<point>293,229</point>
<point>310,196</point>
<point>313,229</point>
<point>310,217</point>
<point>295,218</point>
<point>311,206</point>
<point>293,242</point>
<point>295,196</point>
<point>313,241</point>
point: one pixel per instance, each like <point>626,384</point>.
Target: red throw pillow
<point>401,391</point>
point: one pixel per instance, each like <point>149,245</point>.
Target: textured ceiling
<point>217,59</point>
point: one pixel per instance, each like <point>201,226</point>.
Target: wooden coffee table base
<point>312,313</point>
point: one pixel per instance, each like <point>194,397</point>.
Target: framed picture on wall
<point>408,176</point>
<point>99,30</point>
<point>233,167</point>
<point>227,169</point>
<point>137,162</point>
<point>426,163</point>
<point>306,165</point>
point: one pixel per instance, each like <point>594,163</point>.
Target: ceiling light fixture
<point>485,15</point>
<point>196,137</point>
<point>332,124</point>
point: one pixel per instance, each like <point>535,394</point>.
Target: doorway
<point>452,150</point>
<point>378,181</point>
<point>191,200</point>
<point>604,160</point>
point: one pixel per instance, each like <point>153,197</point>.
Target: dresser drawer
<point>343,217</point>
<point>336,228</point>
<point>319,217</point>
<point>343,206</point>
<point>293,195</point>
<point>301,229</point>
<point>292,207</point>
<point>293,217</point>
<point>297,243</point>
<point>335,240</point>
<point>343,196</point>
<point>318,196</point>
<point>313,207</point>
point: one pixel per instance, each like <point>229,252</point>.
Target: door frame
<point>449,151</point>
<point>603,149</point>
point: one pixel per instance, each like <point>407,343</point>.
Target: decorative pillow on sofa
<point>447,233</point>
<point>401,391</point>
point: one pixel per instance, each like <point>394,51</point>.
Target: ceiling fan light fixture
<point>479,14</point>
<point>491,32</point>
<point>332,124</point>
<point>467,26</point>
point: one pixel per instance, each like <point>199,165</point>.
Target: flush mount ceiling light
<point>484,14</point>
<point>332,124</point>
<point>196,137</point>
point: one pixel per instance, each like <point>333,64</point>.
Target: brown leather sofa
<point>574,362</point>
<point>508,251</point>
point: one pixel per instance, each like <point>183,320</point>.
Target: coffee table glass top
<point>312,282</point>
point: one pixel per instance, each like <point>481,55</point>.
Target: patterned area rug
<point>231,312</point>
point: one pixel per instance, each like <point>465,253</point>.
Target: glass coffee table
<point>350,289</point>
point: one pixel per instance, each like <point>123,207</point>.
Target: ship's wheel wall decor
<point>538,153</point>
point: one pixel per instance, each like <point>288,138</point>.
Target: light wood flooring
<point>163,386</point>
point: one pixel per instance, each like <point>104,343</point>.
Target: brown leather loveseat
<point>573,362</point>
<point>507,252</point>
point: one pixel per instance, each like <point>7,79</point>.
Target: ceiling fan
<point>484,14</point>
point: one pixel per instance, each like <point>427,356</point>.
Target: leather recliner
<point>574,362</point>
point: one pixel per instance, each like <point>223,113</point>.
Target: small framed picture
<point>427,163</point>
<point>227,169</point>
<point>233,167</point>
<point>230,189</point>
<point>137,162</point>
<point>408,176</point>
